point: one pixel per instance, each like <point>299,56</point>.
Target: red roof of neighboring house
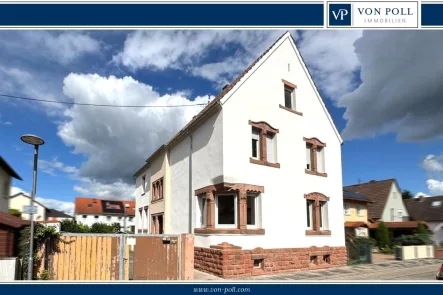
<point>355,224</point>
<point>12,221</point>
<point>103,207</point>
<point>399,224</point>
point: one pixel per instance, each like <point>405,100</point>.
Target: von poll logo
<point>340,14</point>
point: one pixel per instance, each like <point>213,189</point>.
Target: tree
<point>405,194</point>
<point>382,235</point>
<point>15,212</point>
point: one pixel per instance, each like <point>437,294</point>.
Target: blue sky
<point>382,89</point>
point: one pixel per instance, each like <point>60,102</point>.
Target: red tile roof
<point>12,221</point>
<point>355,224</point>
<point>399,224</point>
<point>377,192</point>
<point>99,206</point>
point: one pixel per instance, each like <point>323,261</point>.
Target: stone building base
<point>229,261</point>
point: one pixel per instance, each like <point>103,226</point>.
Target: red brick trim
<point>290,110</point>
<point>314,141</point>
<point>229,187</point>
<point>316,173</point>
<point>289,84</point>
<point>230,261</point>
<point>248,231</point>
<point>265,163</point>
<point>264,126</point>
<point>318,232</point>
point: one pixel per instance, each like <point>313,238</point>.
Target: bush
<point>412,240</point>
<point>15,212</point>
<point>382,236</point>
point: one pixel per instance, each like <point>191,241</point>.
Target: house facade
<point>429,210</point>
<point>258,170</point>
<point>6,175</point>
<point>19,200</point>
<point>386,203</point>
<point>355,210</point>
<point>90,210</point>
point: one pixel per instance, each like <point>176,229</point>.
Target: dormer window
<point>89,205</point>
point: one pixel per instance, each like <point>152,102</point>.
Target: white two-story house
<point>257,173</point>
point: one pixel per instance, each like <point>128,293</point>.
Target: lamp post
<point>124,218</point>
<point>36,142</point>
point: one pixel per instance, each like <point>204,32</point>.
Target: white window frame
<point>324,224</point>
<point>320,154</point>
<point>203,211</point>
<point>257,213</point>
<point>255,136</point>
<point>308,147</point>
<point>271,141</point>
<point>394,195</point>
<point>392,214</point>
<point>358,210</point>
<point>217,225</point>
<point>346,209</point>
<point>400,213</point>
<point>293,98</point>
<point>311,208</point>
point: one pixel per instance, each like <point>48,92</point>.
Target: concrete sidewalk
<point>420,269</point>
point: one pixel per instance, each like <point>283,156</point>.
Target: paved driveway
<point>422,269</point>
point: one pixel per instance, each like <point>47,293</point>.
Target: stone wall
<point>230,261</point>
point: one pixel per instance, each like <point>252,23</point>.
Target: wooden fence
<point>88,258</point>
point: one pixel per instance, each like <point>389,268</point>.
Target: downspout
<point>191,195</point>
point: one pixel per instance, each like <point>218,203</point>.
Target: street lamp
<point>36,142</point>
<point>124,218</point>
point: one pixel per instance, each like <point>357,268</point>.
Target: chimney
<point>224,87</point>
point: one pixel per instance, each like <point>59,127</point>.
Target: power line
<point>103,105</point>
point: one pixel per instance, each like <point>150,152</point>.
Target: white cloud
<point>420,194</point>
<point>118,190</point>
<point>64,47</point>
<point>66,207</point>
<point>331,59</point>
<point>433,163</point>
<point>401,87</point>
<point>117,141</point>
<point>435,186</point>
<point>191,51</point>
<point>50,167</point>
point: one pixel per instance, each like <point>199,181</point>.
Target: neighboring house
<point>355,210</point>
<point>19,200</point>
<point>54,215</point>
<point>90,210</point>
<point>386,200</point>
<point>9,234</point>
<point>257,170</point>
<point>430,210</point>
<point>6,175</point>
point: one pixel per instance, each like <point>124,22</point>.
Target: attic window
<point>89,205</point>
<point>436,204</point>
